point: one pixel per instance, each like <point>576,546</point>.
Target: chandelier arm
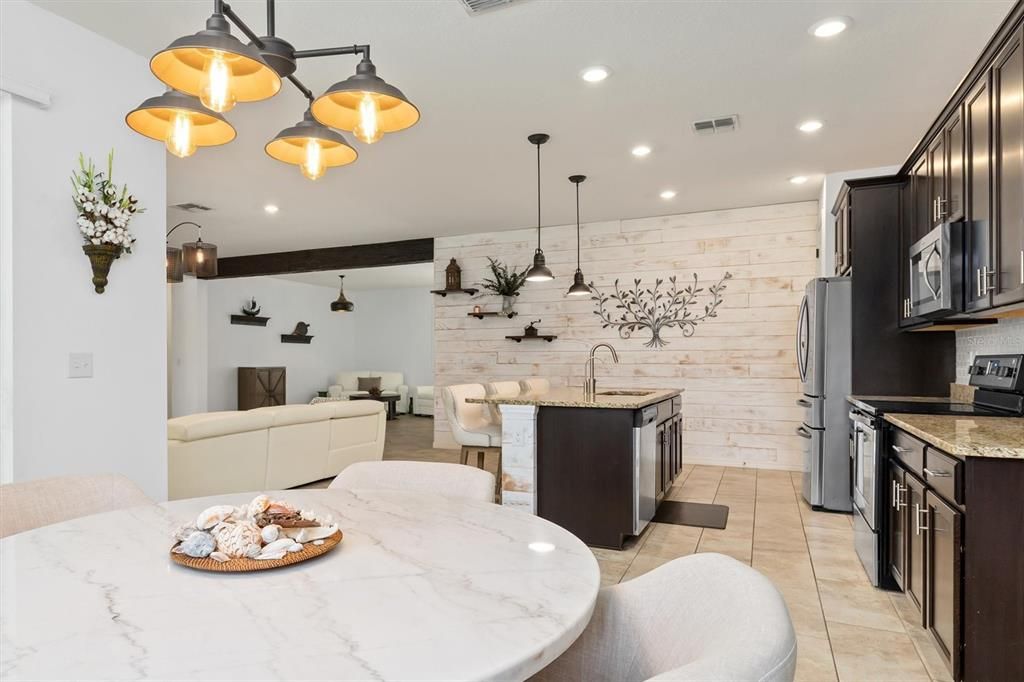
<point>184,222</point>
<point>226,10</point>
<point>335,51</point>
<point>270,18</point>
<point>302,88</point>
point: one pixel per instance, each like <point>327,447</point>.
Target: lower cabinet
<point>944,570</point>
<point>897,537</point>
<point>914,576</point>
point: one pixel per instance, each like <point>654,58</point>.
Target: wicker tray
<point>309,551</point>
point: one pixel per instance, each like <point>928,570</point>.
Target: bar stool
<point>470,425</point>
<point>501,389</point>
<point>535,385</point>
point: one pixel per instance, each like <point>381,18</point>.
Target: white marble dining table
<point>422,587</point>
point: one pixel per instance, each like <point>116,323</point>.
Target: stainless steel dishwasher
<point>645,467</point>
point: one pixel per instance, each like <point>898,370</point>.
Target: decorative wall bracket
<point>655,309</point>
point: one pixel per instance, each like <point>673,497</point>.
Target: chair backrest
<point>463,416</point>
<point>699,617</point>
<point>389,381</point>
<point>535,385</point>
<point>501,389</point>
<point>450,480</point>
<point>32,504</point>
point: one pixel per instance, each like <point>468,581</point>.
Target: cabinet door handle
<point>977,279</point>
<point>899,449</point>
<point>1022,266</point>
<point>900,490</point>
<point>937,473</point>
<point>918,526</point>
<point>893,500</point>
<point>933,210</point>
<point>988,279</point>
<point>940,208</point>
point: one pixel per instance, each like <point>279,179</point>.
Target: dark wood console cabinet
<point>260,387</point>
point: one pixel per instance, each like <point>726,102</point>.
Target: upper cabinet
<point>1007,282</point>
<point>843,236</point>
<point>978,174</point>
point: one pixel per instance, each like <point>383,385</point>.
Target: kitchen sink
<point>633,393</point>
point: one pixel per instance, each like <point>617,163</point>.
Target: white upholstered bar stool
<point>501,389</point>
<point>450,480</point>
<point>535,385</point>
<point>32,504</point>
<point>700,617</point>
<point>471,426</point>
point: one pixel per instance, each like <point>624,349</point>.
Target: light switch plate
<point>80,365</point>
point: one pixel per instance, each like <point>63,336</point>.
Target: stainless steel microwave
<point>936,272</point>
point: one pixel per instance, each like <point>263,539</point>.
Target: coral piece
<point>199,544</point>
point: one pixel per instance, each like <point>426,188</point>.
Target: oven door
<point>865,468</point>
<point>935,272</point>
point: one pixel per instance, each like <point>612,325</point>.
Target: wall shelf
<point>249,320</point>
<point>481,316</point>
<point>295,338</point>
<point>539,337</point>
<point>444,292</point>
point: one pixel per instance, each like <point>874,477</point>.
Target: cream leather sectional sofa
<point>270,448</point>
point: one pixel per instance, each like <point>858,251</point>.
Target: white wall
<point>310,367</point>
<point>114,421</point>
<point>1005,337</point>
<point>829,192</point>
<point>395,332</point>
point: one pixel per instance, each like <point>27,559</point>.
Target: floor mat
<point>692,514</point>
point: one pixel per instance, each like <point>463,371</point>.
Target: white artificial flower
<point>88,206</point>
<point>83,221</point>
<point>90,196</point>
<point>95,241</point>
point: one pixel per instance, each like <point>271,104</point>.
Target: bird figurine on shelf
<point>530,329</point>
<point>250,308</point>
<point>301,329</point>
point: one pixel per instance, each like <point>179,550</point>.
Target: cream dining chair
<point>501,389</point>
<point>449,480</point>
<point>535,385</point>
<point>32,504</point>
<point>702,617</point>
<point>470,424</point>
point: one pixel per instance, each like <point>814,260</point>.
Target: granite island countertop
<point>573,397</point>
<point>1001,437</point>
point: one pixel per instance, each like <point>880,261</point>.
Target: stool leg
<point>464,455</point>
<point>497,481</point>
<point>480,459</point>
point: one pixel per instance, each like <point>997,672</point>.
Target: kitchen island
<point>598,466</point>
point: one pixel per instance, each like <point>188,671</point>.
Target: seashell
<point>307,514</point>
<point>296,547</point>
<point>199,544</point>
<point>314,533</point>
<point>280,507</point>
<point>240,539</point>
<point>219,557</point>
<point>258,505</point>
<point>210,517</point>
<point>278,546</point>
<point>270,533</point>
<point>182,532</point>
<point>272,555</point>
<point>318,542</point>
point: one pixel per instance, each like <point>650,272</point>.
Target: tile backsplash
<point>1005,337</point>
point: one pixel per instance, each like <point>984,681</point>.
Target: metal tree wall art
<point>655,309</point>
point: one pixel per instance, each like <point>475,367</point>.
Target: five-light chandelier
<point>208,72</point>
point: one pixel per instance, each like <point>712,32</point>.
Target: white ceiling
<point>415,276</point>
<point>483,83</point>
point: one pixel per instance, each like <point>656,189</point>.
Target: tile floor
<point>846,629</point>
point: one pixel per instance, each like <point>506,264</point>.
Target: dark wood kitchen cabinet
<point>978,175</point>
<point>944,569</point>
<point>914,574</point>
<point>843,238</point>
<point>897,537</point>
<point>1007,284</point>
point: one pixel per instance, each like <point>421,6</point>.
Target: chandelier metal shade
<point>365,105</point>
<point>209,71</point>
<point>342,304</point>
<point>312,147</point>
<point>539,272</point>
<point>196,258</point>
<point>579,286</point>
<point>216,67</point>
<point>181,122</point>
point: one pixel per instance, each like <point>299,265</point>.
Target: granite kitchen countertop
<point>573,397</point>
<point>963,436</point>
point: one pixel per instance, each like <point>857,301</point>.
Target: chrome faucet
<point>589,382</point>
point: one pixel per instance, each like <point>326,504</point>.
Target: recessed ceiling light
<point>811,126</point>
<point>668,194</point>
<point>798,179</point>
<point>833,26</point>
<point>595,74</point>
<point>271,209</point>
<point>641,150</point>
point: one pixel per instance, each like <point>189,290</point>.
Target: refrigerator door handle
<point>803,433</point>
<point>803,403</point>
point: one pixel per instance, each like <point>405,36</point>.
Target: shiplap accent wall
<point>738,370</point>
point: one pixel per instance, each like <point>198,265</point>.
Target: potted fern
<point>505,282</point>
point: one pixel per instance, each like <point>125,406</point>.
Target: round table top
<point>422,587</point>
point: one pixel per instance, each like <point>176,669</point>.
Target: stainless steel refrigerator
<point>823,349</point>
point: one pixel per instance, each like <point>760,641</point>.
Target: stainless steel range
<point>1000,393</point>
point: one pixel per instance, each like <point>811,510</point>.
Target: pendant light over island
<point>539,272</point>
<point>579,287</point>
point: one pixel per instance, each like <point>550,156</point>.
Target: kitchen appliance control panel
<point>1000,372</point>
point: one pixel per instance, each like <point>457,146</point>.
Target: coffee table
<point>390,398</point>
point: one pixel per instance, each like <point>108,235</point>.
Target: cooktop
<point>879,407</point>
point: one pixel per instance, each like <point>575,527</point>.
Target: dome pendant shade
<point>289,145</point>
<point>155,118</point>
<point>200,258</point>
<point>342,304</point>
<point>346,104</point>
<point>185,64</point>
<point>539,272</point>
<point>579,287</point>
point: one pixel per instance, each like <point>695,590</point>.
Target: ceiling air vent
<point>720,124</point>
<point>478,6</point>
<point>190,207</point>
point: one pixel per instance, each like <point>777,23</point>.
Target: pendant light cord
<point>538,197</point>
<point>577,226</point>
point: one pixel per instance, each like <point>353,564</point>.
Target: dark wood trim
<point>331,258</point>
<point>1010,24</point>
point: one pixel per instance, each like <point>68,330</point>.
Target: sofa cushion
<point>285,415</point>
<point>389,381</point>
<point>425,392</point>
<point>342,409</point>
<point>348,381</point>
<point>212,424</point>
